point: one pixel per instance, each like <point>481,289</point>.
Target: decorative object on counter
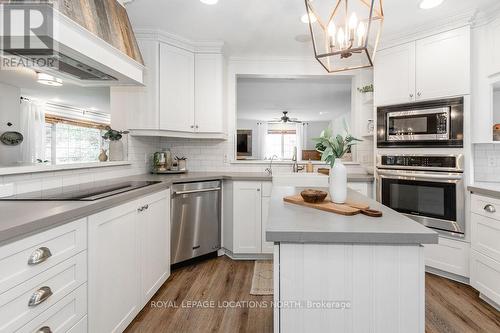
<point>182,163</point>
<point>103,157</point>
<point>309,167</point>
<point>348,208</point>
<point>496,132</point>
<point>345,33</point>
<point>159,162</point>
<point>324,171</point>
<point>332,149</point>
<point>116,150</point>
<point>313,196</point>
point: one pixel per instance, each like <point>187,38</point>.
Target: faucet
<point>269,170</point>
<point>295,166</point>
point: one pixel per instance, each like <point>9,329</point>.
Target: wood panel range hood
<point>92,41</point>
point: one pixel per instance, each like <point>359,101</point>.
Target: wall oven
<point>424,124</point>
<point>427,188</point>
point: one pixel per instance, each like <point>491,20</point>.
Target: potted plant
<point>366,92</point>
<point>333,148</point>
<point>116,151</point>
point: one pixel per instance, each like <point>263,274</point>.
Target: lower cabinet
<point>128,260</point>
<point>448,255</point>
<point>485,275</point>
<point>250,209</point>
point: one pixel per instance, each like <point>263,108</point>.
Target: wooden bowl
<point>313,196</point>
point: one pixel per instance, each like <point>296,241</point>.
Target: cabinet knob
<point>192,126</point>
<point>490,208</point>
<point>196,126</point>
<point>419,94</point>
<point>39,255</point>
<point>40,296</point>
<point>44,329</point>
<point>146,206</point>
<point>258,190</point>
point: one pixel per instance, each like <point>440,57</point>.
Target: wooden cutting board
<point>349,208</point>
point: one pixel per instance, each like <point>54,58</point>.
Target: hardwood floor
<point>450,306</point>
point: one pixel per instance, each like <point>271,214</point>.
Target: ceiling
<point>95,98</point>
<point>307,99</point>
<point>269,27</point>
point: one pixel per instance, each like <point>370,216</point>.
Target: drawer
<point>485,206</point>
<point>485,235</point>
<point>61,279</point>
<point>80,327</point>
<point>63,242</point>
<point>62,316</point>
<point>267,188</point>
<point>485,275</point>
<point>448,255</point>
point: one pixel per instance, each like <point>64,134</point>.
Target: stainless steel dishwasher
<point>195,220</point>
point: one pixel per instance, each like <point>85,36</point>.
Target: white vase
<point>116,150</point>
<point>338,182</point>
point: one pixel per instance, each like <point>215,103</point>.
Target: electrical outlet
<point>225,158</point>
<point>492,161</point>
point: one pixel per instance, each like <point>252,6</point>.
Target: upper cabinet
<point>183,96</point>
<point>434,67</point>
<point>176,89</point>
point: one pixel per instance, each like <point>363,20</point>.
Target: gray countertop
<point>297,224</point>
<point>20,218</point>
<point>488,189</point>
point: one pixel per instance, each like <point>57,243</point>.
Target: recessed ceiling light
<point>48,80</point>
<point>305,18</point>
<point>209,2</point>
<point>428,4</point>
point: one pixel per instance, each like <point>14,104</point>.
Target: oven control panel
<point>419,161</point>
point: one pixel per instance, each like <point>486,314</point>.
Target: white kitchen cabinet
<point>394,75</point>
<point>485,276</point>
<point>247,206</point>
<point>434,67</point>
<point>176,89</point>
<point>208,93</point>
<point>443,64</point>
<point>494,61</point>
<point>267,247</point>
<point>448,255</point>
<point>121,275</point>
<point>154,228</point>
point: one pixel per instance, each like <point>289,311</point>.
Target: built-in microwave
<point>425,124</point>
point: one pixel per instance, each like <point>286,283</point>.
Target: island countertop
<point>291,223</point>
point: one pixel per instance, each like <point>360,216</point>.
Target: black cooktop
<point>81,192</point>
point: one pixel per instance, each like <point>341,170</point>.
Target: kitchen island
<point>335,273</point>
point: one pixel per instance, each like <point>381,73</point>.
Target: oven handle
<point>197,191</point>
<point>457,176</point>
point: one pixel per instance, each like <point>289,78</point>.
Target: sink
<point>300,179</point>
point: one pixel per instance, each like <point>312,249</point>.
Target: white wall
<point>9,112</point>
<point>496,106</point>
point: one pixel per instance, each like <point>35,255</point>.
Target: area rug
<point>262,280</point>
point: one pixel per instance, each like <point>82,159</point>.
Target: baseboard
<point>489,301</point>
<point>448,275</point>
<point>246,256</point>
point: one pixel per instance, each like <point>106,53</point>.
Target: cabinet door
<point>267,247</point>
<point>209,110</point>
<point>154,226</point>
<point>176,89</point>
<point>394,75</point>
<point>485,275</point>
<point>138,106</point>
<point>113,268</point>
<point>247,208</point>
<point>443,64</point>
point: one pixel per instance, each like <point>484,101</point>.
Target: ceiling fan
<point>285,119</point>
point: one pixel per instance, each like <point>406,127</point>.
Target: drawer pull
<point>490,208</point>
<point>39,256</point>
<point>44,329</point>
<point>40,296</point>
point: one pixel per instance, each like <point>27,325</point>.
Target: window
<point>71,143</point>
<point>281,143</point>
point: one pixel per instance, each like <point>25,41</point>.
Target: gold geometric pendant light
<point>345,33</point>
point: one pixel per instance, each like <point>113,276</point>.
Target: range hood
<point>78,55</point>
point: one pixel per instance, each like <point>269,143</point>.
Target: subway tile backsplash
<point>487,162</point>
